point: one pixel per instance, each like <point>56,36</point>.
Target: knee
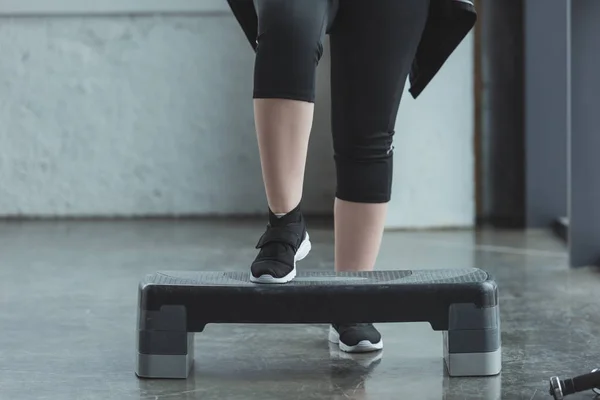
<point>291,39</point>
<point>364,170</point>
<point>289,48</point>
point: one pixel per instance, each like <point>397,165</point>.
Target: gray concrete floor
<point>68,306</point>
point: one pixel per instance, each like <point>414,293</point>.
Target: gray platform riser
<point>169,318</point>
<point>474,364</point>
<point>473,341</point>
<point>467,316</point>
<point>164,366</point>
<point>167,366</point>
<point>472,329</point>
<point>162,342</point>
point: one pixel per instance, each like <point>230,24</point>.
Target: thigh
<point>373,44</point>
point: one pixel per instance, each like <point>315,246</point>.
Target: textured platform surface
<point>323,278</point>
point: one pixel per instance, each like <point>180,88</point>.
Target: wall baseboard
<point>78,7</point>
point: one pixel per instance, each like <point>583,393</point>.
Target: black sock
<point>293,216</point>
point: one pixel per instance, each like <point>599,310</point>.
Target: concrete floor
<point>68,304</point>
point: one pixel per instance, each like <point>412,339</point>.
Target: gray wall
<point>434,156</point>
<point>546,109</point>
<point>134,115</point>
<point>584,133</point>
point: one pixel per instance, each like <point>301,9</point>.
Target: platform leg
<point>472,345</point>
<point>164,348</point>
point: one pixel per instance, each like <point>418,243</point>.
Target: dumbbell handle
<point>560,388</point>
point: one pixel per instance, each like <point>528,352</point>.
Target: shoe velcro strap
<point>280,235</point>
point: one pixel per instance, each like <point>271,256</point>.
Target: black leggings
<point>373,43</point>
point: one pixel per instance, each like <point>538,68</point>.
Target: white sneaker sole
<point>364,346</point>
<point>302,252</point>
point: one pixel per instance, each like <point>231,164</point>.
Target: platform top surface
<point>312,278</point>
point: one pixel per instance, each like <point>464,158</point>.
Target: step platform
<point>461,303</point>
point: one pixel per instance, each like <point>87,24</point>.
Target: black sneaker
<point>283,244</point>
<point>356,338</point>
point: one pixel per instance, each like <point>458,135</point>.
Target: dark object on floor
<point>561,388</point>
<point>462,303</point>
<point>560,227</point>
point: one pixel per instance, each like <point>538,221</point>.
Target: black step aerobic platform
<point>461,303</point>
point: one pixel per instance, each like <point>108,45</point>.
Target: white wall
<point>434,153</point>
<point>132,116</point>
<point>45,7</point>
<point>145,115</point>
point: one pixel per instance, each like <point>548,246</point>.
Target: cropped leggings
<point>373,43</point>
